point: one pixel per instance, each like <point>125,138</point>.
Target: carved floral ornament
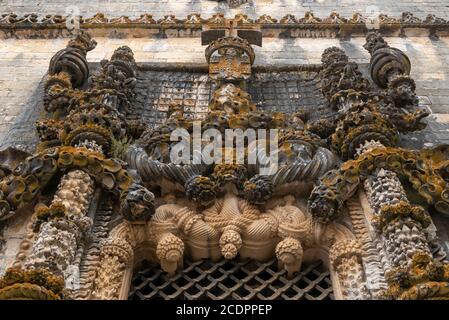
<point>14,25</point>
<point>337,192</point>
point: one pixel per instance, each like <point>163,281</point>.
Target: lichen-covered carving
<point>34,284</point>
<point>390,69</point>
<point>115,256</point>
<point>227,210</point>
<point>335,187</point>
<point>423,278</point>
<point>137,203</point>
<point>258,189</point>
<point>75,144</point>
<point>338,74</point>
<point>72,59</point>
<point>362,123</point>
<point>201,189</point>
<point>302,155</point>
<point>230,58</point>
<point>62,226</point>
<point>32,175</point>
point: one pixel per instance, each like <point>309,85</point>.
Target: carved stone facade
<point>104,197</point>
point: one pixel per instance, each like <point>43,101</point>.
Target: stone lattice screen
<point>239,280</point>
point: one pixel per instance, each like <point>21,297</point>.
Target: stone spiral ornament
<point>385,60</point>
<point>73,59</point>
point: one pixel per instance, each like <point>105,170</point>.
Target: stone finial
<point>289,253</point>
<point>170,251</point>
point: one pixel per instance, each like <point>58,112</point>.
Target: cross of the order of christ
<point>232,28</point>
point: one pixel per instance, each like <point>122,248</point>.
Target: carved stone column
<point>84,133</point>
<point>62,227</point>
<point>390,70</point>
<point>346,259</point>
<point>116,257</point>
<point>368,124</point>
<point>400,223</point>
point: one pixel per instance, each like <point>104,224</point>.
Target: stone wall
<point>253,8</point>
<point>23,63</point>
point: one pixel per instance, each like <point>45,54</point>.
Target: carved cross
<point>237,27</point>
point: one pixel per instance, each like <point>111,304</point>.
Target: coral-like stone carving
<point>333,190</point>
<point>385,61</point>
<point>390,69</point>
<point>358,217</point>
<point>366,135</point>
<point>345,257</point>
<point>35,284</point>
<point>58,239</point>
<point>137,203</point>
<point>76,142</point>
<point>72,59</point>
<point>425,278</point>
<point>233,56</point>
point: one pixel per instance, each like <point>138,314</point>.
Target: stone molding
<point>55,26</point>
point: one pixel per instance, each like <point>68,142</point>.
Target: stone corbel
<point>230,242</point>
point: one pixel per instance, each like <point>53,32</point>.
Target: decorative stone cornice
<point>334,26</point>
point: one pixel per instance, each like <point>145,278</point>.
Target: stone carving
<point>266,19</point>
<point>400,226</point>
<point>76,142</point>
<point>289,252</point>
<point>145,18</point>
<point>390,69</point>
<point>289,19</point>
<point>137,203</point>
<point>98,18</point>
<point>432,19</point>
<point>170,252</point>
<point>345,257</point>
<point>236,3</point>
<point>18,284</point>
<point>96,217</point>
<point>386,62</point>
<point>220,222</point>
<point>72,60</point>
<point>33,25</point>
